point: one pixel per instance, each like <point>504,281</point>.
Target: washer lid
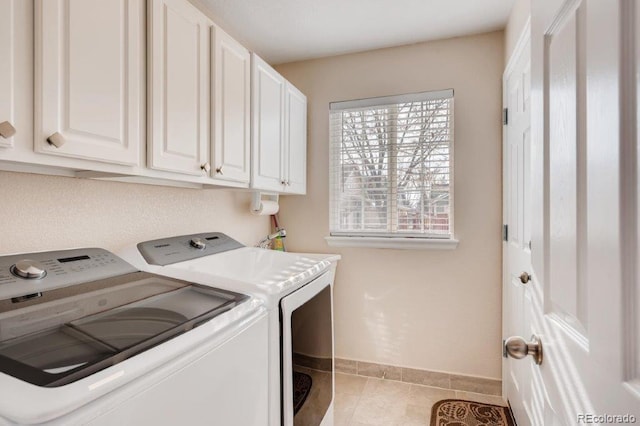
<point>71,333</point>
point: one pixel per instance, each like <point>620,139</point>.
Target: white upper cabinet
<point>150,90</point>
<point>267,130</point>
<point>231,65</point>
<point>16,72</point>
<point>279,132</point>
<point>179,90</point>
<point>295,169</point>
<point>89,77</point>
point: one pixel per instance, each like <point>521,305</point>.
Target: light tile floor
<point>367,401</point>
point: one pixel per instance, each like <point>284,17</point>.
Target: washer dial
<point>29,269</point>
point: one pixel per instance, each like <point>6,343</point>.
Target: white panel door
<point>295,151</point>
<point>231,108</point>
<point>267,137</point>
<point>585,303</point>
<point>89,79</point>
<point>179,75</point>
<point>517,296</point>
<point>16,72</point>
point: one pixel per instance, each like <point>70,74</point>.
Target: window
<point>391,167</point>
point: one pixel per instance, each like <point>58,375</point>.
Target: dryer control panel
<point>167,251</point>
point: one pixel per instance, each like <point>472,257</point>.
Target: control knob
<point>29,269</point>
<point>198,243</point>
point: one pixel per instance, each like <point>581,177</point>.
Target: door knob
<point>518,348</point>
<point>219,170</point>
<point>206,167</point>
<point>525,278</point>
<point>7,130</point>
<point>56,140</point>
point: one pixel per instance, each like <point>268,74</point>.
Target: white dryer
<point>85,338</point>
<point>297,290</point>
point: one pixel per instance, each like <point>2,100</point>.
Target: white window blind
<point>391,166</point>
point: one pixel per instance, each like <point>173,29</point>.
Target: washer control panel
<point>167,251</point>
<point>29,273</point>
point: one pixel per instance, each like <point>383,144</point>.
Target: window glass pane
<point>364,170</point>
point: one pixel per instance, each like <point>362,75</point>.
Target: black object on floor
<point>301,388</point>
<point>468,413</point>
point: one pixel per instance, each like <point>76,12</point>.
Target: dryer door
<point>307,339</point>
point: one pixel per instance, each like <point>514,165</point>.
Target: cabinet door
<point>231,108</point>
<point>178,87</point>
<point>296,141</point>
<point>16,72</point>
<point>89,79</point>
<point>267,130</point>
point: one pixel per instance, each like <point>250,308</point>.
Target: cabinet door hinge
<point>505,116</point>
<point>505,232</point>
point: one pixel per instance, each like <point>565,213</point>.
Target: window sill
<point>401,243</point>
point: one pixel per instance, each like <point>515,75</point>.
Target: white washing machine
<point>297,289</point>
<point>85,338</point>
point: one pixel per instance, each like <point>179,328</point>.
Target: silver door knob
<point>219,170</point>
<point>56,140</point>
<point>206,167</point>
<point>518,348</point>
<point>525,278</point>
<point>7,130</point>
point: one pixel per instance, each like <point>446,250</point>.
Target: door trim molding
<point>523,39</point>
<point>628,92</point>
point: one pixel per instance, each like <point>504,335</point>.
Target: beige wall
<point>517,20</point>
<point>46,213</point>
<point>436,310</point>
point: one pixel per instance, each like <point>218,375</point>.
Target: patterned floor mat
<point>456,412</point>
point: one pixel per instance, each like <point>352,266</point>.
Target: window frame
<point>398,240</point>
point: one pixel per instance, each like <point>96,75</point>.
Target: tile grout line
<point>353,413</point>
<point>349,420</point>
